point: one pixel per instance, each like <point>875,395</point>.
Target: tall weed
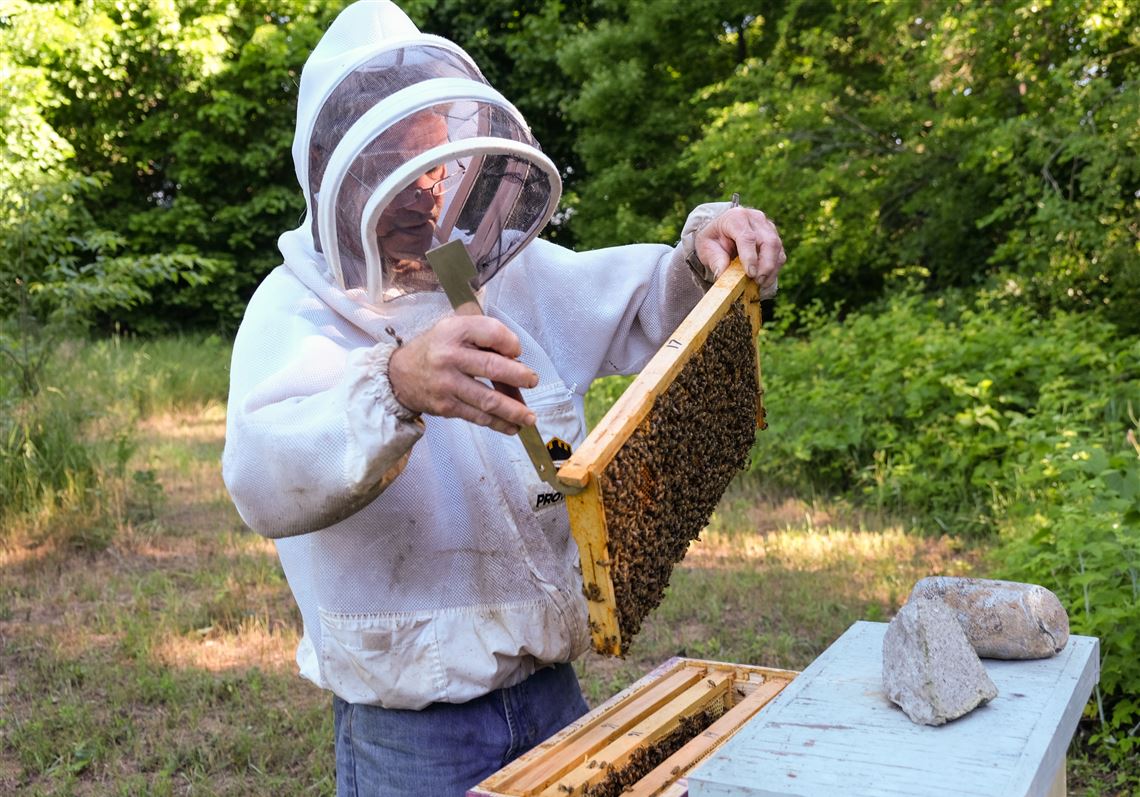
<point>136,378</point>
<point>1075,525</point>
<point>42,457</point>
<point>67,469</point>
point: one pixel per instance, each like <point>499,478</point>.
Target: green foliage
<point>928,407</point>
<point>640,72</point>
<point>979,144</point>
<point>68,450</point>
<point>59,273</point>
<point>976,143</point>
<point>184,114</point>
<point>41,454</point>
<point>160,375</point>
<point>602,395</point>
<point>516,46</point>
<point>1075,526</point>
<point>974,420</point>
<point>942,135</point>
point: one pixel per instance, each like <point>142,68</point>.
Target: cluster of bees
<point>663,484</point>
<point>645,759</point>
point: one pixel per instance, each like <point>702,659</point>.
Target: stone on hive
<point>1002,619</point>
<point>663,484</point>
<point>930,670</point>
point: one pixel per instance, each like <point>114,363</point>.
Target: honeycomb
<point>663,484</point>
<point>645,759</point>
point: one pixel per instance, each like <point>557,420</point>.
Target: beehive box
<point>654,468</point>
<point>643,741</point>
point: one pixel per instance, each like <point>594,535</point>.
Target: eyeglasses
<point>411,194</point>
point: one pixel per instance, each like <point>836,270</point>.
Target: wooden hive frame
<point>581,756</point>
<point>581,471</point>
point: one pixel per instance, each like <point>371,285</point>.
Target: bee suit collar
<point>401,145</point>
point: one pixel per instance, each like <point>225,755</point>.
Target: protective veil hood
<point>402,145</point>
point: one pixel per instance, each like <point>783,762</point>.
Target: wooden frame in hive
<point>639,736</point>
<point>586,469</point>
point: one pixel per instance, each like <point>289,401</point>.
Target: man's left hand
<point>748,234</point>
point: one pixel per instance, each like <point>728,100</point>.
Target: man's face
<point>406,227</point>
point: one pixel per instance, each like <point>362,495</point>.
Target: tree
<point>516,46</point>
<point>963,141</point>
<point>186,112</point>
<point>58,266</point>
<point>642,72</point>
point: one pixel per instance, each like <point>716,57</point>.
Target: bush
<point>602,395</point>
<point>929,407</point>
<point>977,419</point>
<point>1075,526</point>
<point>977,141</point>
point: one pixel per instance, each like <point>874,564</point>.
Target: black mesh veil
<point>411,149</point>
<point>365,86</point>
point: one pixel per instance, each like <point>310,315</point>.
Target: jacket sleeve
<point>313,431</point>
<point>606,311</point>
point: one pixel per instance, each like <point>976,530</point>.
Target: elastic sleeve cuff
<point>383,394</point>
<point>700,216</point>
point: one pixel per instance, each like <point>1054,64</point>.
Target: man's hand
<point>749,235</point>
<point>437,373</point>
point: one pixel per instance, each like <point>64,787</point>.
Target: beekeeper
<point>441,596</point>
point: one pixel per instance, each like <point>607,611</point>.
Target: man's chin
<point>409,265</point>
<point>407,247</point>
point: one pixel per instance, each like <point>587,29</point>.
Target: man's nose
<point>423,204</point>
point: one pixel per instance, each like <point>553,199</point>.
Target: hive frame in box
<point>579,756</point>
<point>587,512</point>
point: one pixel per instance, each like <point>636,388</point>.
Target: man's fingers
<point>480,402</point>
<point>439,373</point>
<point>496,367</point>
<point>469,413</point>
<point>757,246</point>
<point>748,235</point>
<point>484,332</point>
<point>770,254</point>
<point>490,421</point>
<point>732,234</point>
<point>747,230</point>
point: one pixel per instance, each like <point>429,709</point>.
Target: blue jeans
<point>447,748</point>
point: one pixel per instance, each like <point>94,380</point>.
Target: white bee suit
<point>428,560</point>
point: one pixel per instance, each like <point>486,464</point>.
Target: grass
<point>164,663</point>
<point>161,662</point>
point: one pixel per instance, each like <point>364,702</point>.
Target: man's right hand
<point>438,373</point>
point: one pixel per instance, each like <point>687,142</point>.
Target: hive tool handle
<point>454,270</point>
